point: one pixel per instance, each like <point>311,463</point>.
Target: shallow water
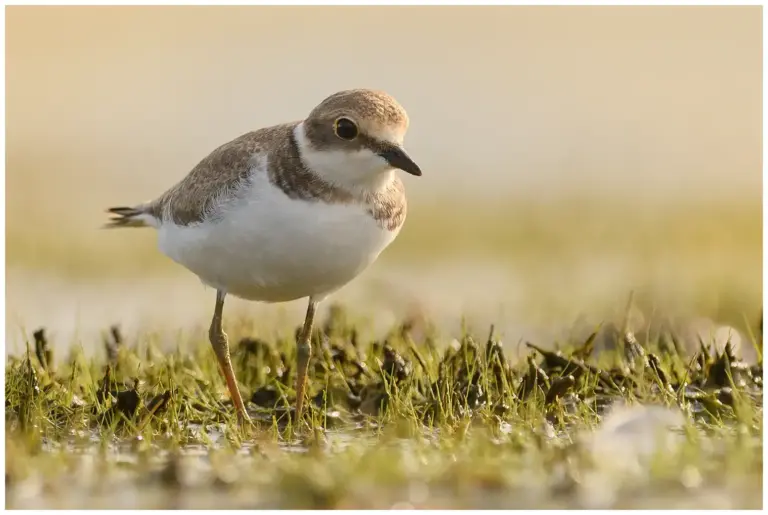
<point>125,475</point>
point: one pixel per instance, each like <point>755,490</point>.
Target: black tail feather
<point>126,217</point>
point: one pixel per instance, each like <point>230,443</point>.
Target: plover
<point>287,212</point>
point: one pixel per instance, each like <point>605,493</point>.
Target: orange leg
<point>221,348</point>
<point>303,353</point>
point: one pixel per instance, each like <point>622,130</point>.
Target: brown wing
<point>220,173</point>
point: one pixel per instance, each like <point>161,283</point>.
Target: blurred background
<point>570,155</point>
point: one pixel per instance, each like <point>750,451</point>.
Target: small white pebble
<point>691,477</point>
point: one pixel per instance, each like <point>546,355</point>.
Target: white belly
<point>271,248</point>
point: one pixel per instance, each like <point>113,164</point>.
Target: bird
<point>286,212</point>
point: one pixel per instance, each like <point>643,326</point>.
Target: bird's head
<point>354,139</point>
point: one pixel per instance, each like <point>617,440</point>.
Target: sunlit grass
<point>424,423</point>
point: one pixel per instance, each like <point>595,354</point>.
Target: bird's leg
<point>303,352</point>
<point>221,347</point>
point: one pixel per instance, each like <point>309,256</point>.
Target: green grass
<point>430,423</point>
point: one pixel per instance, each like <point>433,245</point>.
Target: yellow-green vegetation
<point>410,420</point>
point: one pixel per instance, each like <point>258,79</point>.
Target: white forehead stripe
<point>389,134</point>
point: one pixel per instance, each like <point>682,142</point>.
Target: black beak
<point>397,158</point>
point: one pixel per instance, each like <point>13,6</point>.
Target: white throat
<point>361,171</point>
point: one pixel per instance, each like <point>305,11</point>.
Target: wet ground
<point>409,420</point>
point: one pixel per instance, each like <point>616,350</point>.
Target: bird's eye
<point>345,129</point>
